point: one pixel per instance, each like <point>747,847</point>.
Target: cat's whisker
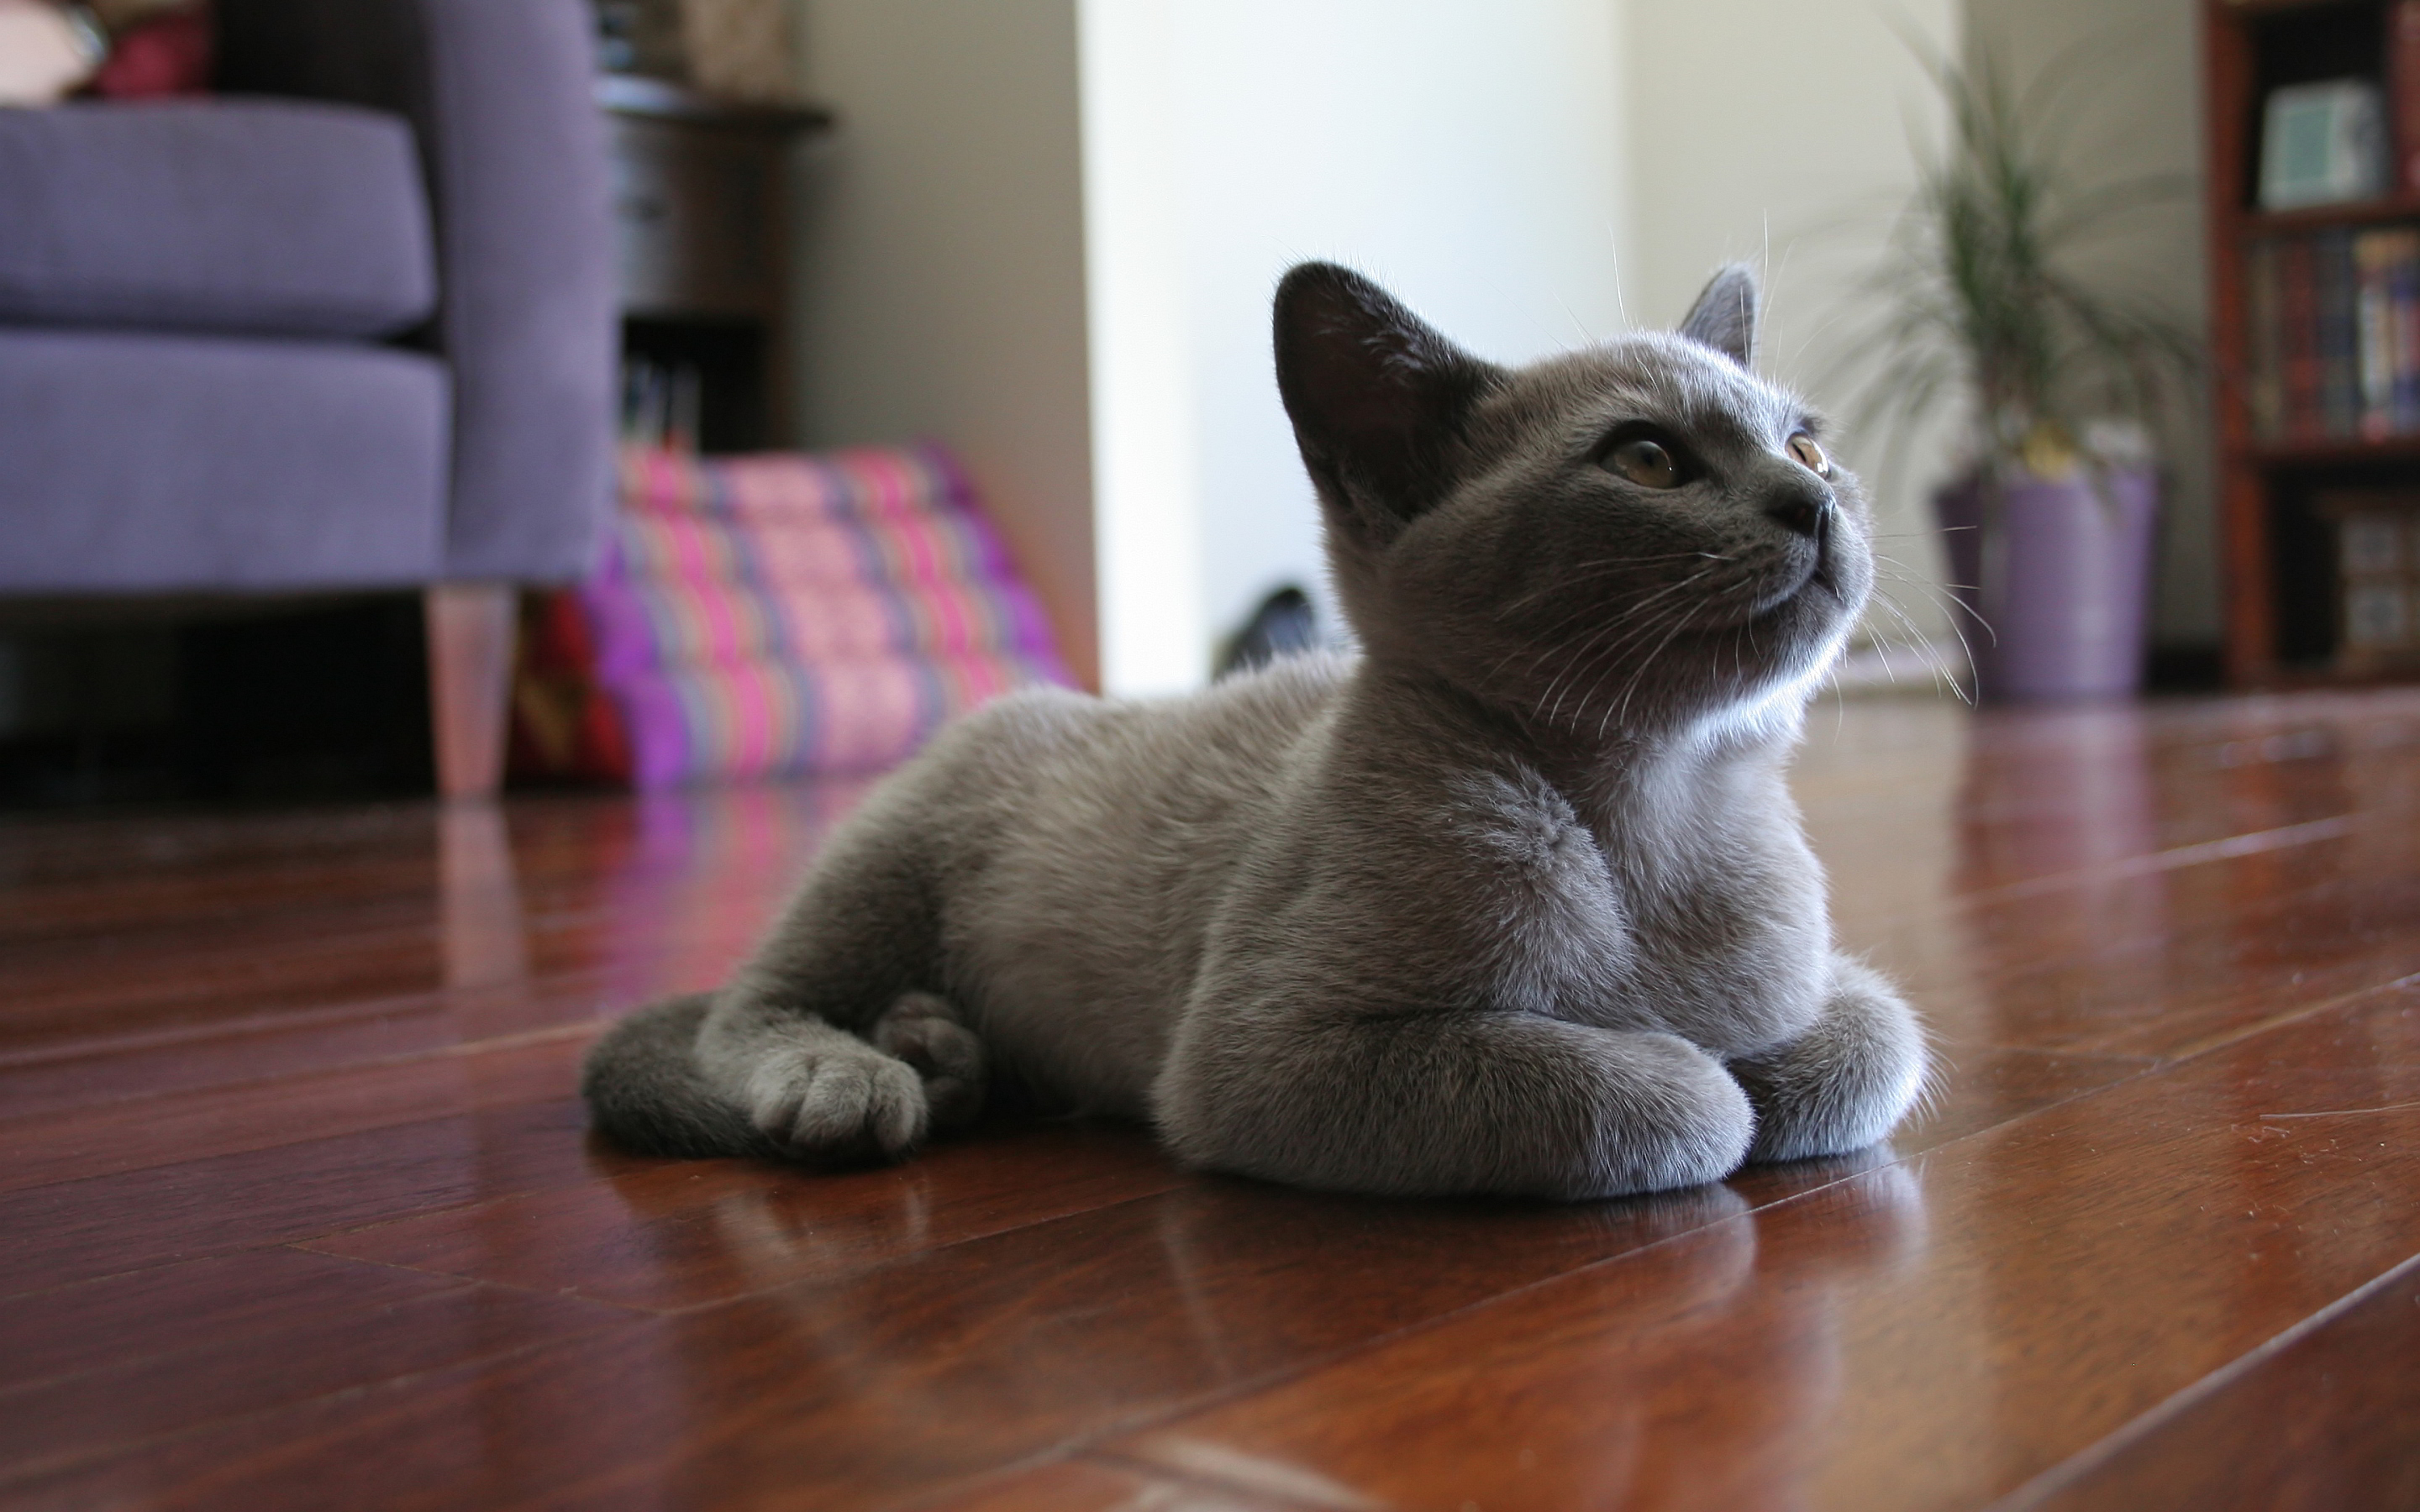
<point>1596,692</point>
<point>1547,633</point>
<point>1639,672</point>
<point>1915,643</point>
<point>1952,602</point>
<point>1582,672</point>
<point>1644,662</point>
<point>1634,611</point>
<point>1604,565</point>
<point>1950,605</point>
<point>1594,637</point>
<point>1551,630</point>
<point>1909,575</point>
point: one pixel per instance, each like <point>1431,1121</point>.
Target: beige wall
<point>2142,115</point>
<point>941,263</point>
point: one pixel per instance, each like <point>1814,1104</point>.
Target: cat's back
<point>1054,754</point>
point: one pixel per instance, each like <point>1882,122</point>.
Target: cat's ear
<point>1377,397</point>
<point>1724,316</point>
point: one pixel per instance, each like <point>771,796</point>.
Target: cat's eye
<point>1810,455</point>
<point>1647,463</point>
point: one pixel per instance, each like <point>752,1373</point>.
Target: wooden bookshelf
<point>2277,554</point>
<point>701,212</point>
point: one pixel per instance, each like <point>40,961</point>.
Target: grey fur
<point>1516,901</point>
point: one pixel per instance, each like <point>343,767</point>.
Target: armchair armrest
<point>500,94</point>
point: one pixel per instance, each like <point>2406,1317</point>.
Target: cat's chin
<point>1810,604</point>
<point>1790,635</point>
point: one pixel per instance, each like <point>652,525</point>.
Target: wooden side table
<point>701,192</point>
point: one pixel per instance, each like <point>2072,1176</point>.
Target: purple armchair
<point>348,325</point>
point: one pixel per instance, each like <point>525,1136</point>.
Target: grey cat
<point>1516,900</point>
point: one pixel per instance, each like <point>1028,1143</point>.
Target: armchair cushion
<point>502,94</point>
<point>145,462</point>
<point>282,218</point>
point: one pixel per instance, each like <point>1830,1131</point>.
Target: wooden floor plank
<point>52,1236</point>
<point>226,1120</point>
<point>173,1309</point>
<point>248,1043</point>
<point>2326,1417</point>
<point>1930,1333</point>
<point>2088,1275</point>
<point>962,1360</point>
<point>2182,966</point>
<point>919,1376</point>
<point>685,1234</point>
<point>80,998</point>
<point>689,1233</point>
<point>1092,1486</point>
<point>57,1423</point>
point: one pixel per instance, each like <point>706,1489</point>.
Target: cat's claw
<point>838,1103</point>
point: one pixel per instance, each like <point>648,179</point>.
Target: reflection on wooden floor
<point>297,1208</point>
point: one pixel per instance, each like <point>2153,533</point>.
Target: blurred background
<point>1050,232</point>
<point>1040,236</point>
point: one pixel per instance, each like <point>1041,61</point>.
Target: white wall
<point>1778,132</point>
<point>1466,156</point>
<point>940,266</point>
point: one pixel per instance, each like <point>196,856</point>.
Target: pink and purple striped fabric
<point>779,613</point>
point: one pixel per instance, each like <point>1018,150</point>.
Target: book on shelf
<point>2333,328</point>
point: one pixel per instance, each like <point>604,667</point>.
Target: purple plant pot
<point>2062,577</point>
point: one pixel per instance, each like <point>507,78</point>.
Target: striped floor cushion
<point>772,615</point>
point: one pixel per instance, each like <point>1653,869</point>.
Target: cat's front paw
<point>834,1099</point>
<point>1847,1081</point>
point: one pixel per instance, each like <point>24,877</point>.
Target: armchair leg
<point>469,628</point>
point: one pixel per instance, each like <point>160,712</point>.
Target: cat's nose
<point>1803,510</point>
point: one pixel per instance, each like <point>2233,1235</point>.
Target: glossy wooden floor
<point>297,1208</point>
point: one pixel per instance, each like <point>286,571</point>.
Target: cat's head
<point>1635,537</point>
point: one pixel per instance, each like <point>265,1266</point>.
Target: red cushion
<point>165,55</point>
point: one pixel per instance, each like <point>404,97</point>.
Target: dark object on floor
<point>2186,669</point>
<point>1283,625</point>
<point>283,703</point>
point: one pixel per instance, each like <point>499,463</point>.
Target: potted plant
<point>2049,524</point>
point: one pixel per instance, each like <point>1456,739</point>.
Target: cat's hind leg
<point>807,1053</point>
<point>817,1091</point>
<point>809,1090</point>
<point>1845,1082</point>
<point>644,1089</point>
<point>793,1041</point>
